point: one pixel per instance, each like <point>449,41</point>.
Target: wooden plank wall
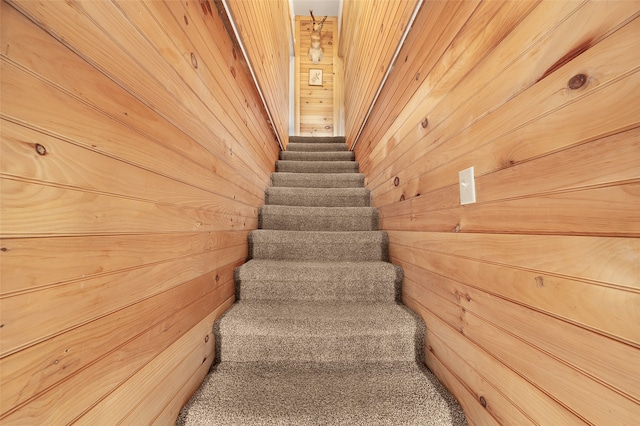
<point>265,30</point>
<point>369,37</point>
<point>531,296</point>
<point>135,154</point>
<point>317,108</point>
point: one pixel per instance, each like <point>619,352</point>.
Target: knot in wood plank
<point>483,402</point>
<point>40,149</point>
<point>577,81</point>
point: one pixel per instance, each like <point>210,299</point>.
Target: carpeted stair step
<point>296,218</point>
<point>318,180</point>
<point>318,332</point>
<point>261,279</point>
<point>354,394</point>
<point>314,147</point>
<point>318,197</point>
<point>319,245</point>
<point>291,166</point>
<point>317,139</point>
<point>317,156</point>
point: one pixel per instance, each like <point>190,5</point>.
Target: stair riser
<point>351,252</point>
<point>292,218</point>
<point>317,180</point>
<point>317,156</point>
<point>317,166</point>
<point>317,139</point>
<point>315,147</point>
<point>320,290</point>
<point>362,347</point>
<point>318,223</point>
<point>323,248</point>
<point>309,200</point>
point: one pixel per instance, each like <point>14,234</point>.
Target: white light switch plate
<point>467,186</point>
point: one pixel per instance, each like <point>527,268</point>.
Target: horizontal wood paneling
<point>265,30</point>
<point>370,34</point>
<point>70,398</point>
<point>188,355</point>
<point>443,341</point>
<point>170,93</point>
<point>57,112</point>
<point>617,364</point>
<point>537,282</point>
<point>34,316</point>
<point>22,162</point>
<point>80,347</point>
<point>438,21</point>
<point>508,120</point>
<point>101,255</point>
<point>172,409</point>
<point>135,154</point>
<point>100,214</point>
<point>567,299</point>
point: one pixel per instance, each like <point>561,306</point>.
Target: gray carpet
<point>318,336</point>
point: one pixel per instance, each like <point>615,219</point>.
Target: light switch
<point>467,186</point>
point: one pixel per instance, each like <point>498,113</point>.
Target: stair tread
<point>317,155</point>
<point>356,394</point>
<point>318,163</point>
<point>326,331</point>
<point>306,218</point>
<point>328,235</point>
<point>319,146</point>
<point>317,180</point>
<point>263,279</point>
<point>318,197</point>
<point>293,166</point>
<point>291,270</point>
<point>318,210</point>
<point>319,192</point>
<point>291,238</point>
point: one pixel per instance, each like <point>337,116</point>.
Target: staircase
<point>318,335</point>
